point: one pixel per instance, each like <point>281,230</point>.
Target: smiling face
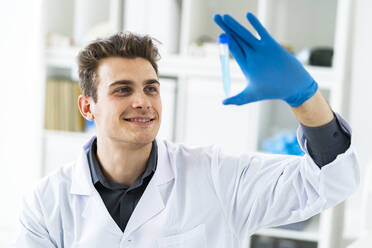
<point>128,107</point>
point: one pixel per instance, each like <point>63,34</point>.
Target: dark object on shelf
<point>263,242</point>
<point>258,241</point>
<point>287,244</point>
<point>321,56</point>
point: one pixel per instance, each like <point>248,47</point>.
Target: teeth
<point>140,120</point>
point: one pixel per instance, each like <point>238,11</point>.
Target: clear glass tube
<point>225,63</point>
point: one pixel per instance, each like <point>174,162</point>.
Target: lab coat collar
<point>81,179</point>
<point>164,171</point>
<point>151,202</point>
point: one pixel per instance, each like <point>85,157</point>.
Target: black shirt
<point>120,201</point>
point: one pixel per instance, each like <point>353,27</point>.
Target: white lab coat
<point>198,197</point>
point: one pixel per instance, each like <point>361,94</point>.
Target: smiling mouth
<point>143,120</point>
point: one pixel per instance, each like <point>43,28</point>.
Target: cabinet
<point>193,92</point>
<point>208,122</point>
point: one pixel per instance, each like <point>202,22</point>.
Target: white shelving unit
<point>195,90</point>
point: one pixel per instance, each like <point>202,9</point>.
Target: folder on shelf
<point>61,109</point>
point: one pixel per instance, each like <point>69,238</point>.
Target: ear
<point>85,107</point>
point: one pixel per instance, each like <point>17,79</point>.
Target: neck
<point>122,163</point>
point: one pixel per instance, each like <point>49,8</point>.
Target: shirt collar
<point>98,176</point>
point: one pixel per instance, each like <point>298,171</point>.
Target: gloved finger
<point>258,26</point>
<point>244,97</point>
<point>219,21</point>
<point>236,50</point>
<point>240,30</point>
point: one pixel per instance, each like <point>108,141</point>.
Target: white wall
<point>21,111</point>
<point>361,90</point>
<point>361,93</point>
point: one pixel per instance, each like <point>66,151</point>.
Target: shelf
<point>71,134</point>
<point>309,234</point>
<point>178,65</point>
<point>292,22</point>
<point>197,18</point>
<point>324,76</point>
<point>64,57</point>
<point>175,65</point>
<point>170,65</point>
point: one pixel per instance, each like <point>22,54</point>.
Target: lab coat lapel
<point>92,207</point>
<point>81,182</point>
<point>95,211</point>
<point>152,201</point>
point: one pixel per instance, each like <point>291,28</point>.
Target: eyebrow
<point>130,82</point>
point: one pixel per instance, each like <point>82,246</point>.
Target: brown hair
<point>122,44</point>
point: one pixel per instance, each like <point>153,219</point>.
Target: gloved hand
<point>271,71</point>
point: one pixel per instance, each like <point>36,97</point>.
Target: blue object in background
<point>223,41</point>
<point>89,126</point>
<point>283,143</point>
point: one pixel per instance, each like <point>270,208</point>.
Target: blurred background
<point>41,128</point>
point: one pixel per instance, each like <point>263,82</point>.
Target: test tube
<point>225,62</point>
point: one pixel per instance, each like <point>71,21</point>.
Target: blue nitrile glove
<point>271,71</point>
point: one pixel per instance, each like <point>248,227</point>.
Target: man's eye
<point>123,90</point>
<point>151,89</point>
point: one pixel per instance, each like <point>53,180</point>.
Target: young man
<point>128,189</point>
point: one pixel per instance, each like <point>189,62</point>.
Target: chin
<point>144,140</point>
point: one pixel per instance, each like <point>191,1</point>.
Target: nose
<point>141,101</point>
